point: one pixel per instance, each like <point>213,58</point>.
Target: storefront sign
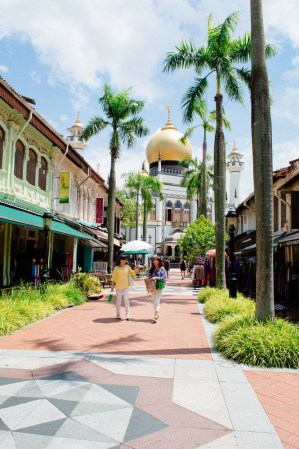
<point>65,187</point>
<point>99,210</point>
<point>290,242</point>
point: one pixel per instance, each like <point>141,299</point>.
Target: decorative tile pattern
<point>90,408</point>
<point>69,407</point>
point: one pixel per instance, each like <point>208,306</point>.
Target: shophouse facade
<point>34,159</point>
<point>285,237</point>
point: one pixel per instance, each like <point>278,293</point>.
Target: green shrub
<point>220,306</point>
<point>273,343</point>
<point>209,292</point>
<point>25,304</point>
<point>86,282</point>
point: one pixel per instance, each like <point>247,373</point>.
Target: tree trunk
<point>262,165</point>
<point>111,211</point>
<point>204,177</point>
<point>144,222</point>
<point>137,214</point>
<point>219,193</point>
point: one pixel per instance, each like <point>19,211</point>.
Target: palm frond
<point>240,49</point>
<point>220,36</point>
<point>132,128</point>
<point>95,125</point>
<point>188,134</point>
<point>244,74</point>
<point>196,91</point>
<point>182,58</point>
<point>233,86</point>
<point>270,50</point>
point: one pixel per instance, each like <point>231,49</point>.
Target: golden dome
<point>167,145</point>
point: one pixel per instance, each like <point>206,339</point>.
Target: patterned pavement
<point>83,380</point>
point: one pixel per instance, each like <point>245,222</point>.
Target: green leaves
<point>199,238</point>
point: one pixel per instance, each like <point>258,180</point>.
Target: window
<point>42,175</point>
<point>19,159</point>
<point>168,215</point>
<point>31,167</point>
<point>168,204</point>
<point>2,138</point>
<point>178,205</point>
<point>187,206</point>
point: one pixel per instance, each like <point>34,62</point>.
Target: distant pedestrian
<point>120,279</point>
<point>183,266</point>
<point>167,267</point>
<point>158,274</point>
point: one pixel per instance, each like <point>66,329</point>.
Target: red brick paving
<point>178,334</point>
<point>92,327</point>
<point>278,393</point>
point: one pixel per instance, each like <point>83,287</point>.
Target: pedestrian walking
<point>157,273</point>
<point>167,267</point>
<point>183,265</point>
<point>121,281</point>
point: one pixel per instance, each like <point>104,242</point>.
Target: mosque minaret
<point>234,166</point>
<point>75,133</point>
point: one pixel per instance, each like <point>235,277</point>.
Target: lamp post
<point>48,217</point>
<point>231,228</point>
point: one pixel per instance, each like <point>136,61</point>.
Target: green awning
<point>21,217</point>
<point>61,228</point>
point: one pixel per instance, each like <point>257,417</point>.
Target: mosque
<point>169,218</point>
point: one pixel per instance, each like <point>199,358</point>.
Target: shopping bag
<point>131,281</point>
<point>110,297</point>
<point>160,284</point>
<point>150,285</point>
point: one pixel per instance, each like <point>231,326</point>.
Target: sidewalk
<point>83,380</point>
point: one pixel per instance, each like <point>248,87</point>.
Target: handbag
<point>150,285</point>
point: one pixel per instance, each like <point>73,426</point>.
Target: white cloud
<point>3,68</point>
<point>123,42</point>
<point>63,117</point>
<point>288,106</point>
<point>36,77</point>
<point>284,153</point>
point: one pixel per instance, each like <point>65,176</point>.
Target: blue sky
<point>62,52</point>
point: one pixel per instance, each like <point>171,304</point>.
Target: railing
<point>100,267</point>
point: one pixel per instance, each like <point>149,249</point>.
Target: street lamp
<point>47,217</point>
<point>231,228</point>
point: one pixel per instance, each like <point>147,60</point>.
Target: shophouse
<point>51,201</point>
<point>285,237</point>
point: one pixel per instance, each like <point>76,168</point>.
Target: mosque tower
<point>234,167</point>
<point>75,132</point>
<point>170,217</point>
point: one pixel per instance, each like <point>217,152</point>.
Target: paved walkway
<point>83,380</point>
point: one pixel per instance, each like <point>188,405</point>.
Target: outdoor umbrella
<point>136,247</point>
<point>212,252</point>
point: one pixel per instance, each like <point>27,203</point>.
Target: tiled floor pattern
<point>278,392</point>
<point>91,408</point>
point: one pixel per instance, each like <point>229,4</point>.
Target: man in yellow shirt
<point>120,279</point>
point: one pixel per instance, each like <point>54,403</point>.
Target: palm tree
<point>148,186</point>
<point>121,113</point>
<point>207,118</point>
<point>219,58</point>
<point>262,165</point>
<point>193,179</point>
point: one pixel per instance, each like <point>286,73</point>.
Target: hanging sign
<point>99,210</point>
<point>65,187</point>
